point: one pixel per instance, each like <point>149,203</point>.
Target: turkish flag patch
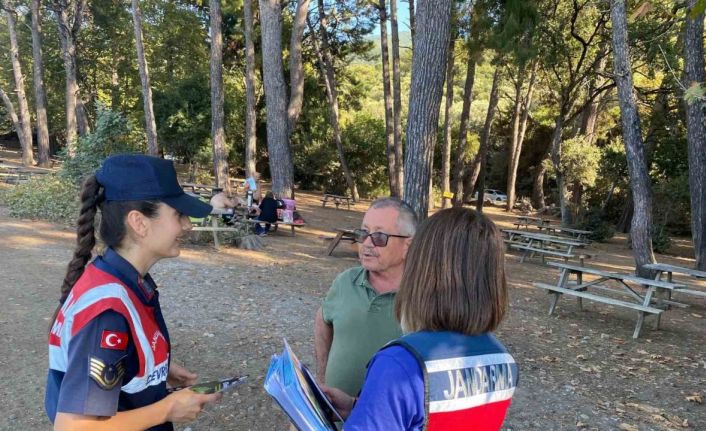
<point>114,340</point>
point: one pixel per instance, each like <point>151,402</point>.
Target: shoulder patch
<point>106,376</point>
<point>114,340</point>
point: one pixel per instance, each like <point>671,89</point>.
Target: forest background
<point>530,103</point>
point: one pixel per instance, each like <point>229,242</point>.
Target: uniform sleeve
<point>392,397</point>
<point>96,364</point>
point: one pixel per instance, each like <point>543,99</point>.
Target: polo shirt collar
<point>116,265</point>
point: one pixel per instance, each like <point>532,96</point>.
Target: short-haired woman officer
<point>109,349</point>
<point>448,372</point>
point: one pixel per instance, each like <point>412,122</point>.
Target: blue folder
<point>293,387</point>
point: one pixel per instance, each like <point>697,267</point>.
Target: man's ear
<point>407,243</point>
<point>137,222</point>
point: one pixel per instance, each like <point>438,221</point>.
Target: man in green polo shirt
<point>357,316</point>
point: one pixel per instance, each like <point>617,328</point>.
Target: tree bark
<point>538,187</point>
<point>296,70</point>
<point>250,114</point>
<point>519,136</point>
<point>395,188</point>
<point>25,119</point>
<point>218,139</point>
<point>485,140</point>
<point>696,132</point>
<point>459,165</point>
<point>397,96</point>
<point>431,45</point>
<point>39,92</point>
<point>556,161</point>
<point>329,77</point>
<point>446,151</point>
<point>10,108</point>
<point>281,166</point>
<point>84,126</point>
<point>150,126</point>
<point>640,232</point>
<point>69,17</point>
<point>476,168</point>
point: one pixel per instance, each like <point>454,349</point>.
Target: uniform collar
<point>115,264</point>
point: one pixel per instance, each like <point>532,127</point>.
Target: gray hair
<point>406,220</point>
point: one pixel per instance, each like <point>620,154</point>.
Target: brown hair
<point>112,229</point>
<point>454,276</point>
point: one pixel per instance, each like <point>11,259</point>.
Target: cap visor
<point>189,205</point>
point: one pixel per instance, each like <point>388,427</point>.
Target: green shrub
<point>595,221</point>
<point>112,135</point>
<point>660,240</point>
<point>49,197</point>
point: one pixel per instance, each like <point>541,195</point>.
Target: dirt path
<point>229,310</point>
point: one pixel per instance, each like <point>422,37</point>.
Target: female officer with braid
<point>109,349</point>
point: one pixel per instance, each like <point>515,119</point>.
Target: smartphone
<point>222,385</point>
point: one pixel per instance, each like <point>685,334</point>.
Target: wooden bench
<point>341,235</point>
<point>541,251</point>
<point>337,200</point>
<point>662,268</point>
<point>643,304</point>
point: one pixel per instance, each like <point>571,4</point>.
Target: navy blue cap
<point>136,177</point>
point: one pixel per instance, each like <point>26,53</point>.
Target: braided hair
<point>112,229</point>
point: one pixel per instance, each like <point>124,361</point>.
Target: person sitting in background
<point>268,214</point>
<point>448,372</point>
<point>221,201</point>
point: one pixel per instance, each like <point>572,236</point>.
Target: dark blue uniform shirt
<point>74,391</point>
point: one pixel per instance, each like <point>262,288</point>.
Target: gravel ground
<point>227,312</point>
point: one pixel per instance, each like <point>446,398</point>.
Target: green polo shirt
<point>363,321</point>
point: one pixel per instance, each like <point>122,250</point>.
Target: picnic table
<point>341,235</point>
<point>527,221</point>
<point>578,234</point>
<point>649,302</point>
<point>663,268</point>
<point>202,189</point>
<point>215,228</point>
<point>336,200</point>
<point>533,243</point>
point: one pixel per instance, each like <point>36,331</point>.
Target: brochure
<point>294,388</point>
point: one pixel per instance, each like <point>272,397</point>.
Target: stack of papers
<point>293,387</point>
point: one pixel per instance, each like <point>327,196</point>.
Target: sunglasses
<point>379,239</point>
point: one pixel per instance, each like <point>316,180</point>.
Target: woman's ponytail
<point>85,239</point>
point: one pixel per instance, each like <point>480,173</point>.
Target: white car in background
<point>492,196</point>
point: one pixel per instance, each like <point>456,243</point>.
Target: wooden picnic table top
<point>663,267</point>
<point>545,237</point>
<point>345,230</point>
<point>332,196</point>
<point>576,231</point>
<point>617,276</point>
<point>530,218</point>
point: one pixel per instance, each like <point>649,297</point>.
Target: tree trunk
<point>446,151</point>
<point>478,167</point>
<point>640,232</point>
<point>10,108</point>
<point>84,126</point>
<point>68,30</point>
<point>462,150</point>
<point>397,96</point>
<point>395,188</point>
<point>519,139</point>
<point>296,71</point>
<point>250,115</point>
<point>431,45</point>
<point>220,155</point>
<point>516,114</point>
<point>39,93</point>
<point>150,126</point>
<point>25,119</point>
<point>281,166</point>
<point>556,161</point>
<point>696,132</point>
<point>329,77</point>
<point>538,187</point>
